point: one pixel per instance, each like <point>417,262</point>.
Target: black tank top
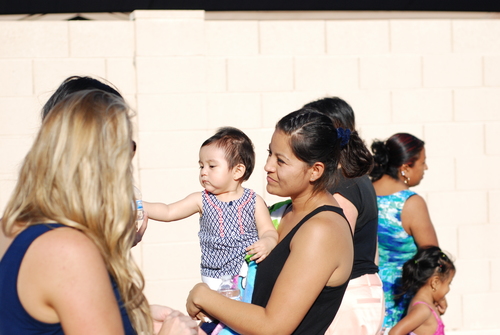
<point>323,310</point>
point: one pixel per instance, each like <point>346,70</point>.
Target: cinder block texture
<point>14,149</point>
<point>440,175</point>
<point>352,37</point>
<point>231,38</point>
<point>101,38</point>
<point>481,311</point>
<point>382,72</point>
<point>491,70</point>
<point>454,139</point>
<point>185,76</point>
<point>170,184</point>
<point>477,104</point>
<point>276,105</point>
<point>452,70</point>
<point>121,73</point>
<point>16,78</point>
<point>485,174</point>
<point>216,68</point>
<point>422,105</point>
<point>420,36</point>
<point>170,74</point>
<point>164,37</point>
<point>464,284</point>
<point>25,39</point>
<point>492,138</point>
<point>185,259</point>
<point>445,206</point>
<point>493,208</point>
<point>49,73</point>
<point>19,116</point>
<point>234,109</point>
<point>260,74</point>
<point>292,37</point>
<point>320,73</point>
<point>370,106</point>
<point>165,112</point>
<point>477,241</point>
<point>476,36</point>
<point>172,149</point>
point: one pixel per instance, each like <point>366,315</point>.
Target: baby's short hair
<point>237,147</point>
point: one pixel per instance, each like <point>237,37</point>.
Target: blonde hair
<point>79,173</point>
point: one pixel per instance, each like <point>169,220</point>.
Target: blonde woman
<point>69,268</point>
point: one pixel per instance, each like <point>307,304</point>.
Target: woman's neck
<point>308,202</point>
<point>387,185</point>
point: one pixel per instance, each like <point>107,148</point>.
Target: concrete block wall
<point>185,76</point>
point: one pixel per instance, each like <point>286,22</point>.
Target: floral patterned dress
<point>395,247</point>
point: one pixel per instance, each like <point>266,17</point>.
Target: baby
<point>234,220</point>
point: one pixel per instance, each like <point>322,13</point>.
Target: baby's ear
<point>239,171</point>
<point>435,281</point>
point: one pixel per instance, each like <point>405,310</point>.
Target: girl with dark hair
<point>427,278</point>
<point>404,221</point>
<point>299,286</point>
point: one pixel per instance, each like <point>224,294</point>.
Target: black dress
<point>323,310</point>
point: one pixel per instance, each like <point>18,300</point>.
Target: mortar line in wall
<point>451,37</point>
<point>389,28</point>
<point>33,76</point>
<point>258,38</point>
<point>422,72</point>
<point>359,71</point>
<point>391,105</point>
<point>226,65</point>
<point>326,37</point>
<point>483,73</point>
<point>453,105</point>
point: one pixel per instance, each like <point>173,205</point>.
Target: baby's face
<point>215,175</point>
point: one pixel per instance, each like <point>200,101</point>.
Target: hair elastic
<point>344,135</point>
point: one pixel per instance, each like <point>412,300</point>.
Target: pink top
<point>440,327</point>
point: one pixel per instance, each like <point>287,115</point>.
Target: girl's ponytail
<point>355,158</point>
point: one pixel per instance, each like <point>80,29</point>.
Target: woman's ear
<point>316,170</point>
<point>238,171</point>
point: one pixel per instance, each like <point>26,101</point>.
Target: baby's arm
<point>176,211</point>
<point>268,236</point>
<point>415,318</point>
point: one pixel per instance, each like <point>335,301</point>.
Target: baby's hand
<point>260,249</point>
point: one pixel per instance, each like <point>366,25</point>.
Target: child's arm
<point>441,305</point>
<point>415,318</point>
<point>176,211</point>
<point>268,236</point>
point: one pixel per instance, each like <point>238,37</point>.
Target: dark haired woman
<point>299,286</point>
<point>404,221</point>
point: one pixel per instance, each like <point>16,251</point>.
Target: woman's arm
<point>175,211</point>
<point>320,254</point>
<point>63,279</point>
<point>268,236</point>
<point>417,222</point>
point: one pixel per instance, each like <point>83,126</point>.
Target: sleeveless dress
<point>440,327</point>
<point>14,319</point>
<point>323,310</point>
<point>226,229</point>
<point>395,247</point>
